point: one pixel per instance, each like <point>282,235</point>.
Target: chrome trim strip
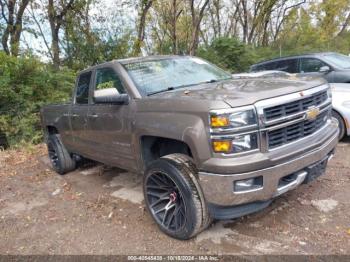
<point>248,191</point>
<point>303,118</point>
<point>300,139</point>
<point>286,118</point>
<point>261,105</point>
<point>216,112</point>
<point>283,189</point>
<point>223,136</point>
<point>234,129</point>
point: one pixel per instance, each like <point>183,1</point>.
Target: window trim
<point>316,58</point>
<point>76,87</point>
<point>93,85</point>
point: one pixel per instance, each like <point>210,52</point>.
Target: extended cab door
<point>109,126</point>
<point>78,114</point>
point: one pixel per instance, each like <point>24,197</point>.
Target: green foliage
<point>26,84</point>
<point>228,53</point>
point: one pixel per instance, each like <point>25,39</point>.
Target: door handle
<point>93,115</point>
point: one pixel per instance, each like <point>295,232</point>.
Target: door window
<point>269,66</point>
<point>288,65</point>
<point>82,91</point>
<point>308,65</point>
<point>107,78</point>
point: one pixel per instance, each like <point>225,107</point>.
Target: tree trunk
<point>196,21</point>
<point>173,27</point>
<point>17,29</point>
<point>55,49</point>
<point>9,23</point>
<point>145,6</point>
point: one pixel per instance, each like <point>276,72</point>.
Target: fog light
<point>250,184</point>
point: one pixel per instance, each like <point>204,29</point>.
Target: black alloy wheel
<point>166,201</point>
<point>174,197</point>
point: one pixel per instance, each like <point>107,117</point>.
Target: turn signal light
<point>219,121</point>
<point>223,146</point>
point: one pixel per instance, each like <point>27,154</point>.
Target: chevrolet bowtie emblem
<point>312,113</point>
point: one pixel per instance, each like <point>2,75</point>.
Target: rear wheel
<point>61,160</point>
<point>341,124</point>
<point>174,197</point>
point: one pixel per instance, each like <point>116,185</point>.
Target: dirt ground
<point>100,210</point>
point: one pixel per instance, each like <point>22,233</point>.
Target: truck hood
<point>238,92</point>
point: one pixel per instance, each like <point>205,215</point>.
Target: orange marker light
<point>223,146</point>
<point>219,121</point>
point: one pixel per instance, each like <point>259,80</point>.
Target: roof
<point>294,56</point>
<point>146,58</point>
<point>132,60</point>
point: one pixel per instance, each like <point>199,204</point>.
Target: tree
<point>56,16</point>
<point>197,14</point>
<point>14,22</point>
<point>145,5</point>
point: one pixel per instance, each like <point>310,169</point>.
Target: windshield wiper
<point>170,88</point>
<point>183,86</point>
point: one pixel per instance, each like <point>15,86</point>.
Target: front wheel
<point>341,124</point>
<point>61,160</point>
<point>174,198</point>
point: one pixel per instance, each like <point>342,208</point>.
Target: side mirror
<point>324,69</point>
<point>110,96</point>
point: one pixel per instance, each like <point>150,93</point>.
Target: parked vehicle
<point>208,146</point>
<point>341,107</point>
<point>334,67</point>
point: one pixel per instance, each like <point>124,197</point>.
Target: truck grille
<point>275,112</point>
<point>294,132</point>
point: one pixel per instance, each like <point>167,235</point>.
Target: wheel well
<point>156,147</point>
<point>51,130</point>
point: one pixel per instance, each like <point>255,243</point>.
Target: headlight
<point>237,129</point>
<point>237,144</point>
<point>233,118</point>
<point>244,143</point>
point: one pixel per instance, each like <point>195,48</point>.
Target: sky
<point>114,14</point>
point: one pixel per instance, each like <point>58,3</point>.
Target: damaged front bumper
<point>226,202</point>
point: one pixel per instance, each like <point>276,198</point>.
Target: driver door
<point>311,67</point>
<point>108,124</point>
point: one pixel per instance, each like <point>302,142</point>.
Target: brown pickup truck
<point>208,146</point>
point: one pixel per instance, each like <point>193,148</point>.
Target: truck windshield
<point>338,60</point>
<point>162,75</point>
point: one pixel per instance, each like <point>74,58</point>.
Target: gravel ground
<point>100,210</point>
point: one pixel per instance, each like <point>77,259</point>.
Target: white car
<point>341,107</point>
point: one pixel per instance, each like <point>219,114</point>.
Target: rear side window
<point>288,65</point>
<point>82,91</point>
<point>308,65</point>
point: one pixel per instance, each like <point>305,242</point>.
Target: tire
<point>341,124</point>
<point>60,158</point>
<point>174,198</point>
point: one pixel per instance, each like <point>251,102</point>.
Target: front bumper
<point>218,189</point>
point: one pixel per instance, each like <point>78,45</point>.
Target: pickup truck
<point>208,146</point>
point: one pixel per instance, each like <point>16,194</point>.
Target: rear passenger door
<point>78,114</point>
